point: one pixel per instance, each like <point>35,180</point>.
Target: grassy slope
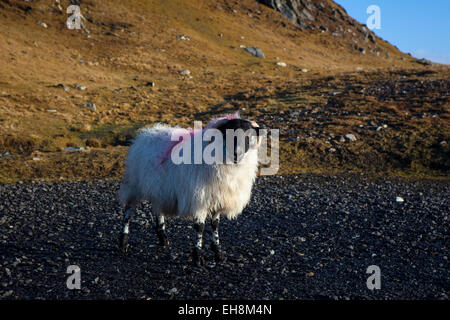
<point>139,38</point>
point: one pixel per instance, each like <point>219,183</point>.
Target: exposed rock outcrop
<point>324,15</point>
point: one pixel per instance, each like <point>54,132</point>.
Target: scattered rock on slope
<point>255,51</point>
<point>184,72</point>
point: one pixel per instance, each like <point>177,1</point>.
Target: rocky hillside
<point>325,16</point>
<point>138,62</point>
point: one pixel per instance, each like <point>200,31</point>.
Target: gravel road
<point>302,237</point>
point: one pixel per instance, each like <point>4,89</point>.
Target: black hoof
<point>218,255</point>
<point>197,258</point>
<point>163,240</point>
<point>123,242</point>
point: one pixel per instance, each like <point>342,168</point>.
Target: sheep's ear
<point>255,127</point>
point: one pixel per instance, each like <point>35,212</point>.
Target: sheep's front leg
<point>218,255</point>
<point>161,231</point>
<point>197,257</point>
<point>123,240</point>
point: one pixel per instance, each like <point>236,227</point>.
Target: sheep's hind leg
<point>123,240</point>
<point>161,231</point>
<point>197,256</point>
<point>218,255</point>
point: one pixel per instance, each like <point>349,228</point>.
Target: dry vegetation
<point>133,43</point>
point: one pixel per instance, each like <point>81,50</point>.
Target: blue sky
<point>419,27</point>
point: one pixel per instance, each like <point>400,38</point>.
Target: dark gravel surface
<point>302,237</point>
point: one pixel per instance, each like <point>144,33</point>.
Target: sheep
<point>196,191</point>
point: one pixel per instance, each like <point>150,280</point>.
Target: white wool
<point>190,190</point>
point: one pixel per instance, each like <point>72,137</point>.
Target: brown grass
<point>224,78</point>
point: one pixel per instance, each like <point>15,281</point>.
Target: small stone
<point>91,106</point>
<point>205,294</point>
<point>173,291</point>
<point>399,199</point>
<point>81,88</point>
<point>183,37</point>
<point>43,24</point>
<point>8,293</point>
<point>255,51</point>
<point>62,86</point>
<point>184,72</point>
<point>309,274</point>
<point>350,137</point>
<point>281,64</point>
<point>73,149</point>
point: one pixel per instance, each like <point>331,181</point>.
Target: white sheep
<point>197,191</point>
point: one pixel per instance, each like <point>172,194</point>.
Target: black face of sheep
<point>239,144</point>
